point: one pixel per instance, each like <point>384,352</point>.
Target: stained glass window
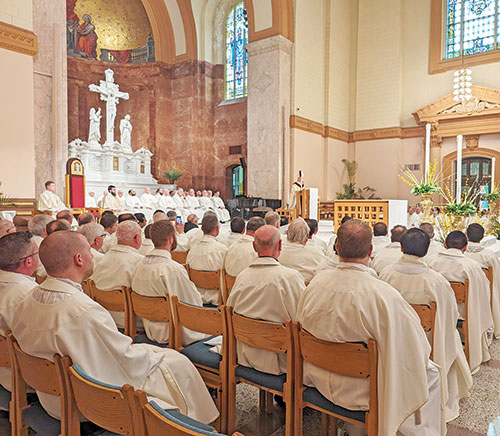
<point>472,27</point>
<point>236,53</point>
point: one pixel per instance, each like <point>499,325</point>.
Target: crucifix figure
<point>111,94</point>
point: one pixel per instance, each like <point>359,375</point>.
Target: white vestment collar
<point>452,252</point>
<point>474,247</point>
<point>411,265</point>
<point>357,267</point>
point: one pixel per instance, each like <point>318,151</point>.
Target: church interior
<point>303,191</point>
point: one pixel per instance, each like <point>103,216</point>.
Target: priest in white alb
<point>487,259</point>
<point>237,226</point>
<point>111,201</point>
<point>220,207</point>
<point>418,284</point>
<point>133,202</point>
<point>149,202</point>
<point>49,200</point>
<point>391,253</point>
<point>94,233</point>
<point>455,267</point>
<point>90,201</point>
<point>37,226</point>
<point>242,253</point>
<point>435,247</point>
<point>380,238</point>
<point>349,304</point>
<point>57,317</point>
<point>157,275</point>
<point>194,204</point>
<point>269,291</point>
<point>313,238</point>
<point>147,245</point>
<point>109,221</point>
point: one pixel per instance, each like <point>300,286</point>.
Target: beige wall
<point>17,12</point>
<point>16,125</point>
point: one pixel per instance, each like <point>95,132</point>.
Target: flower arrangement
<point>421,187</point>
<point>173,172</point>
<point>492,196</point>
<point>466,206</point>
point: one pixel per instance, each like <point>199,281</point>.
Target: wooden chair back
<point>107,406</point>
<point>427,315</point>
<point>489,275</point>
<point>461,291</point>
<point>87,287</point>
<point>228,284</point>
<point>5,361</point>
<point>179,256</point>
<point>357,360</point>
<point>207,280</point>
<point>150,308</point>
<point>111,300</point>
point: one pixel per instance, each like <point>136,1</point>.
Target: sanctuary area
<point>250,217</point>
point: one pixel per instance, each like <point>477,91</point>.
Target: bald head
<point>354,241</point>
<point>85,218</point>
<point>6,227</point>
<point>57,225</point>
<point>267,241</point>
<point>66,254</point>
<point>65,215</point>
<point>129,233</point>
<point>158,216</point>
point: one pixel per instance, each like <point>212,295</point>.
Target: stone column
<point>268,102</point>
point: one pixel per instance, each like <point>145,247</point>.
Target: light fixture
<point>462,83</point>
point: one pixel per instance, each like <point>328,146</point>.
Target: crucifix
<point>111,94</point>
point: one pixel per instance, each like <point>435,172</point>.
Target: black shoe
<point>279,401</point>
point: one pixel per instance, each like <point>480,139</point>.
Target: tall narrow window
<point>472,26</point>
<point>236,53</point>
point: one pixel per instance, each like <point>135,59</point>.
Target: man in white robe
<point>157,275</point>
<point>121,199</point>
<point>6,227</point>
<point>333,238</point>
<point>133,202</point>
<point>391,253</point>
<point>149,202</point>
<point>237,231</point>
<point>242,253</point>
<point>349,304</point>
<point>313,236</point>
<point>296,253</point>
<point>194,204</point>
<point>49,200</point>
<point>486,258</point>
<point>168,201</point>
<point>94,234</point>
<point>57,317</point>
<point>206,202</point>
<point>18,262</point>
<point>147,245</point>
<point>273,219</point>
<point>109,221</point>
<point>380,238</point>
<point>37,226</point>
<point>269,291</point>
<point>90,201</point>
<point>117,266</point>
<point>435,247</point>
<point>220,207</point>
<point>455,267</point>
<point>418,284</point>
<point>111,201</point>
<point>180,206</point>
<point>208,255</point>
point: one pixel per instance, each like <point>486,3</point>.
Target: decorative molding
<point>357,136</point>
<point>282,21</point>
<point>17,39</point>
<point>472,142</point>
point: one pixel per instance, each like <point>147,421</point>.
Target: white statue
<point>95,126</point>
<point>126,133</point>
<point>110,93</point>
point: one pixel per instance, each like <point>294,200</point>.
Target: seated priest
<point>237,231</point>
<point>133,203</point>
<point>37,226</point>
<point>110,200</point>
<point>455,267</point>
<point>273,219</point>
<point>85,218</point>
<point>390,253</point>
<point>157,275</point>
<point>18,261</point>
<point>147,244</point>
<point>242,253</point>
<point>435,246</point>
<point>194,204</point>
<point>350,304</point>
<point>92,340</point>
<point>6,227</point>
<point>418,284</point>
<point>208,255</point>
<point>67,215</point>
<point>487,259</point>
<point>313,238</point>
<point>109,221</point>
<point>191,223</point>
<point>117,266</point>
<point>49,200</point>
<point>220,207</point>
<point>297,254</point>
<point>380,238</point>
<point>90,201</point>
<point>94,234</point>
<point>269,291</point>
<point>330,262</point>
<point>57,226</point>
<point>181,207</point>
<point>150,203</point>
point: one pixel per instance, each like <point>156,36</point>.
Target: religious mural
<point>109,30</point>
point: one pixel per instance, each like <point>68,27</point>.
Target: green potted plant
<point>173,173</point>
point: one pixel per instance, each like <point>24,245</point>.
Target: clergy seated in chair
<point>37,226</point>
<point>487,259</point>
<point>350,304</point>
<point>94,233</point>
<point>109,221</point>
<point>58,317</point>
<point>157,275</point>
<point>208,255</point>
<point>380,238</point>
<point>391,253</point>
<point>313,238</point>
<point>18,261</point>
<point>49,200</point>
<point>267,291</point>
<point>435,247</point>
<point>117,266</point>
<point>297,253</point>
<point>237,231</point>
<point>455,267</point>
<point>86,218</point>
<point>418,284</point>
<point>147,244</point>
<point>242,253</point>
<point>220,207</point>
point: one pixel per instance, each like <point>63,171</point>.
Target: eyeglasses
<point>22,258</point>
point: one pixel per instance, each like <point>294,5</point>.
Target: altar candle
<point>459,168</point>
<point>427,150</point>
<point>493,174</point>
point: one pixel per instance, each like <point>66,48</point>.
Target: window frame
<point>436,62</point>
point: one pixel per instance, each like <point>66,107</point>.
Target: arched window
<point>472,27</point>
<point>236,53</point>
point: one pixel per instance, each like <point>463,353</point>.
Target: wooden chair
<point>211,366</point>
<point>179,256</point>
<point>427,315</point>
<point>150,308</point>
<point>110,407</point>
<point>461,291</point>
<point>87,287</point>
<point>349,359</point>
<point>6,399</point>
<point>43,376</point>
<point>38,279</point>
<point>115,300</point>
<point>489,274</point>
<point>263,335</point>
<point>228,284</point>
<point>207,280</point>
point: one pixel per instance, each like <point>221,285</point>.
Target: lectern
<point>306,203</point>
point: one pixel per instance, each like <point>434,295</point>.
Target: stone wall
<point>176,113</point>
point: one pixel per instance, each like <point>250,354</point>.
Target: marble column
<point>268,102</point>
